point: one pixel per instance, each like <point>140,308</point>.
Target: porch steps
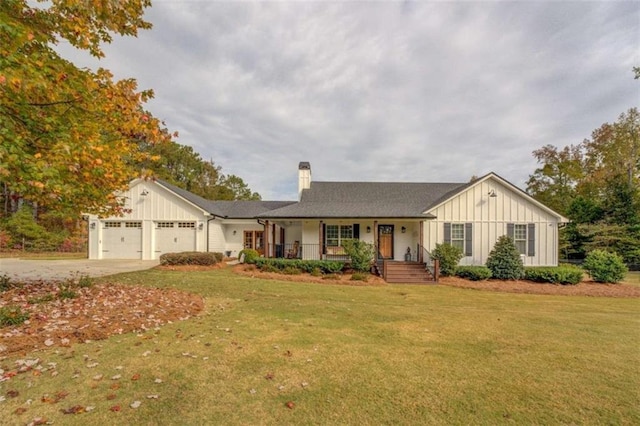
<point>406,272</point>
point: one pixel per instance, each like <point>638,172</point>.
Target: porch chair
<point>293,252</point>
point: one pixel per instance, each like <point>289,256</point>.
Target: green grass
<point>352,355</point>
<point>632,277</point>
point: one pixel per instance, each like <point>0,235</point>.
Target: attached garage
<point>121,239</point>
<point>174,237</point>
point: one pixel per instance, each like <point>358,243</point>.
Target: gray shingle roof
<point>246,209</point>
<point>367,199</point>
<point>227,209</point>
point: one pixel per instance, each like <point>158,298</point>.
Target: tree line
<point>596,184</point>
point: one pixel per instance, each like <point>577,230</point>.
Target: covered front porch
<point>395,241</point>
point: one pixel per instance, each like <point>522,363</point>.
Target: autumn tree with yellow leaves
<point>69,137</point>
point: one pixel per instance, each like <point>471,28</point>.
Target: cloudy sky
<point>381,91</point>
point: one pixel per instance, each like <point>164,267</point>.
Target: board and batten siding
<point>489,217</point>
<point>157,205</point>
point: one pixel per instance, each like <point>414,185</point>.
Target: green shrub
<point>605,267</point>
<point>316,272</point>
<point>473,273</point>
<point>554,275</point>
<point>250,255</point>
<point>325,266</point>
<point>267,267</point>
<point>448,256</point>
<point>291,270</point>
<point>188,258</point>
<point>360,253</point>
<point>360,276</point>
<point>12,315</point>
<point>504,260</point>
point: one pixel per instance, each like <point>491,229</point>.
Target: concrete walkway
<point>38,269</point>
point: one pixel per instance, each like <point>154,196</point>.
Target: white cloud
<point>408,91</point>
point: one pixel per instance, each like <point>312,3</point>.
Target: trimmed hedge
<point>325,266</point>
<point>188,258</point>
<point>219,256</point>
<point>555,275</point>
<point>473,273</point>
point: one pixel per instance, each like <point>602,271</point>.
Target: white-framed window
<point>186,224</point>
<point>335,234</point>
<point>520,237</point>
<point>133,224</point>
<point>457,235</point>
<point>164,225</point>
<point>112,224</point>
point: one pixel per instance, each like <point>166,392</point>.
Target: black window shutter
<point>510,230</point>
<point>324,238</point>
<point>356,231</point>
<point>447,233</point>
<point>531,239</point>
<point>468,239</point>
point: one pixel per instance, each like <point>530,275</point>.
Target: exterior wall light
<point>403,229</point>
<point>234,232</point>
<point>93,225</point>
<point>201,226</point>
<point>368,229</point>
<point>492,194</point>
<point>144,193</point>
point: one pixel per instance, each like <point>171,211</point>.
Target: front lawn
<point>275,352</point>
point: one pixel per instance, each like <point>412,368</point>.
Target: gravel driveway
<point>37,269</point>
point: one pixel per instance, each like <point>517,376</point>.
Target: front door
<point>385,241</point>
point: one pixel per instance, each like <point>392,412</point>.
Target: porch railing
<point>304,251</point>
<point>432,265</point>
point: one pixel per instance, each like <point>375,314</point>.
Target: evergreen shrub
<point>448,256</point>
<point>555,275</point>
<point>605,267</point>
<point>504,260</point>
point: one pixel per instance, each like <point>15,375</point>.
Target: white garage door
<point>121,240</point>
<point>175,237</point>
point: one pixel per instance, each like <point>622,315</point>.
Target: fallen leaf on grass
<point>135,404</point>
<point>76,409</point>
<point>116,377</point>
<point>111,396</point>
<point>290,405</point>
<point>20,410</point>
<point>115,386</point>
<point>157,381</point>
<point>38,421</point>
<point>152,396</point>
<point>115,408</point>
<point>135,377</point>
<point>13,393</point>
<point>269,376</point>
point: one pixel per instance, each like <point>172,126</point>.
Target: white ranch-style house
<point>404,221</point>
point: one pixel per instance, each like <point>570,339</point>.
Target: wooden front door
<point>254,240</point>
<point>385,241</point>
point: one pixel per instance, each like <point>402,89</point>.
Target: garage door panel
<point>122,240</point>
<point>175,237</point>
